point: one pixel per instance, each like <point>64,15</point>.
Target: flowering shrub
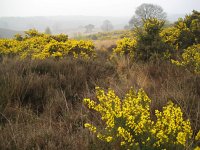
<point>153,26</point>
<point>178,36</point>
<point>184,33</point>
<point>153,41</point>
<point>147,43</point>
<point>8,47</point>
<point>170,36</point>
<point>190,58</point>
<point>125,46</point>
<point>80,48</point>
<point>129,122</point>
<point>60,37</point>
<point>37,45</point>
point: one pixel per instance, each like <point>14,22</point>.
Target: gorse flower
<point>37,45</point>
<point>190,58</point>
<point>170,128</point>
<point>125,46</point>
<point>90,127</point>
<point>128,121</point>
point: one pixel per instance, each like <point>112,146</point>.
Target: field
<point>44,80</point>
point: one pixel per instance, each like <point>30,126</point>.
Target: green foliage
<point>129,122</point>
<point>154,42</point>
<point>184,33</point>
<point>37,45</point>
<point>193,23</point>
<point>153,26</point>
<point>178,37</point>
<point>149,42</point>
<point>184,36</point>
<point>190,58</point>
<point>170,36</point>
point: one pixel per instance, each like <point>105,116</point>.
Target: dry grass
<point>105,45</point>
<point>41,101</point>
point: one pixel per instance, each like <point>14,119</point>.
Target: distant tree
<point>47,30</point>
<point>107,26</point>
<point>146,11</point>
<point>89,28</point>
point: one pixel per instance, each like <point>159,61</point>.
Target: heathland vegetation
<point>141,93</point>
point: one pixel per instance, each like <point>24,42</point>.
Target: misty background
<point>70,17</point>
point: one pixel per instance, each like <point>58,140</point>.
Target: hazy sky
<point>90,7</point>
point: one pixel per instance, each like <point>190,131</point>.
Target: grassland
<point>41,101</point>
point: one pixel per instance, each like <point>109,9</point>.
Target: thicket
<point>37,45</point>
<point>190,58</point>
<point>153,41</point>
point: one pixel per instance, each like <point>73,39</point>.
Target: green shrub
<point>190,58</point>
<point>149,42</point>
<point>184,33</point>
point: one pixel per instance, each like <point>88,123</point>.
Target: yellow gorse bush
<point>37,45</point>
<point>147,43</point>
<point>177,36</point>
<point>153,26</point>
<point>184,33</point>
<point>129,122</point>
<point>125,46</point>
<point>8,47</point>
<point>171,36</point>
<point>190,58</point>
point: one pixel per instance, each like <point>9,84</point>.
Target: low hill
<point>60,24</point>
<point>7,33</point>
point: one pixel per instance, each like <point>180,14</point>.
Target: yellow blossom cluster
<point>171,36</point>
<point>170,128</point>
<point>37,45</point>
<point>129,122</point>
<point>147,43</point>
<point>153,26</point>
<point>177,35</point>
<point>125,46</point>
<point>190,58</point>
